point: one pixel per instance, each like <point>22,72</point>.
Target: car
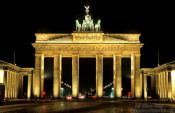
<point>69,97</point>
<point>81,97</point>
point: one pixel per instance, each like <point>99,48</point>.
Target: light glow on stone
<point>173,83</point>
<point>1,76</point>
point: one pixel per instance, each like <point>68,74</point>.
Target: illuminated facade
<point>11,76</point>
<point>162,81</point>
<point>87,42</point>
<point>87,45</point>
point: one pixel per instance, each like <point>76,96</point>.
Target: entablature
<point>88,49</point>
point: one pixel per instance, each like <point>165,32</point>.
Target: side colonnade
<point>13,81</point>
<point>162,82</point>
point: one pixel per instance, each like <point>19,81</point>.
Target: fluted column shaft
<point>5,81</point>
<point>11,87</point>
<point>38,79</point>
<point>145,86</point>
<point>169,85</point>
<point>173,83</point>
<point>161,86</point>
<point>16,85</point>
<point>99,75</point>
<point>132,76</point>
<point>135,78</point>
<point>57,76</point>
<point>8,81</point>
<point>163,75</point>
<point>29,86</point>
<point>160,80</point>
<point>166,84</point>
<point>156,83</point>
<point>75,75</point>
<point>12,84</point>
<point>117,76</point>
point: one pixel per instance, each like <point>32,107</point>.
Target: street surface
<point>91,106</point>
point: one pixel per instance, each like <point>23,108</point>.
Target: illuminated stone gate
<point>87,42</point>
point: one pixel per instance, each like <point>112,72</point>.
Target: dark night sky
<point>20,20</point>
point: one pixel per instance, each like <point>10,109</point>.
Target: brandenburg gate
<point>88,41</point>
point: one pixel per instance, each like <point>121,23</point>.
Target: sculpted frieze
<point>87,48</point>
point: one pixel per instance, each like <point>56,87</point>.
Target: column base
<point>55,98</point>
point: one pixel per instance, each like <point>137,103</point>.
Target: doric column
<point>169,86</point>
<point>117,75</point>
<point>75,75</point>
<point>173,83</point>
<point>161,85</point>
<point>29,86</point>
<point>99,75</point>
<point>38,79</point>
<point>158,84</point>
<point>145,86</point>
<point>57,75</point>
<point>7,93</point>
<point>166,84</point>
<point>10,85</point>
<point>141,85</point>
<point>15,85</point>
<point>163,76</point>
<point>135,78</point>
<point>132,76</point>
<point>5,81</point>
<point>160,79</point>
<point>42,76</point>
<point>21,86</point>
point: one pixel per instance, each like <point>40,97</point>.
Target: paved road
<point>90,107</point>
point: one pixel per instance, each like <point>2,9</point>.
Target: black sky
<point>154,20</point>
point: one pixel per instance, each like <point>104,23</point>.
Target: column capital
<point>75,54</point>
<point>36,54</point>
<point>56,54</point>
<point>135,54</point>
<point>117,54</point>
<point>29,74</point>
<point>144,74</point>
<point>99,54</point>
